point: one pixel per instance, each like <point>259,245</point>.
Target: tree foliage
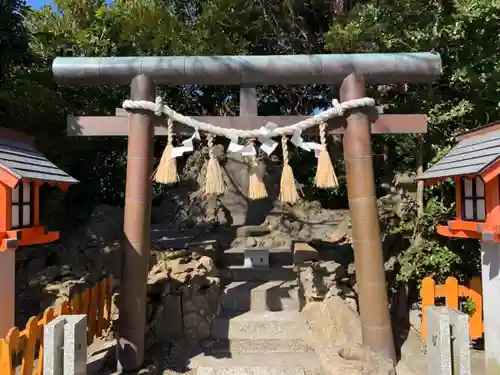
<point>464,32</point>
<point>13,37</point>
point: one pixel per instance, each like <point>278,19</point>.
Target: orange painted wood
<point>451,285</point>
<point>95,302</point>
<point>92,314</point>
<point>63,187</point>
<point>48,315</point>
<point>76,304</point>
<point>7,178</point>
<point>33,235</point>
<point>64,308</point>
<point>444,230</point>
<point>476,325</point>
<point>101,304</point>
<point>8,347</point>
<point>493,203</point>
<point>109,297</point>
<point>30,338</point>
<point>85,301</point>
<point>5,358</point>
<point>491,172</point>
<point>5,203</point>
<point>451,290</point>
<point>427,294</point>
<point>459,224</point>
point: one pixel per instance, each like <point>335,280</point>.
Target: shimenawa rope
<point>159,108</point>
<point>214,182</point>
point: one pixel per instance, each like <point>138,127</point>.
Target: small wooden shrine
<point>474,165</point>
<point>22,171</point>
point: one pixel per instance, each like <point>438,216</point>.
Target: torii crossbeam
<point>357,125</point>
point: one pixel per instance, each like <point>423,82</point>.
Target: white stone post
<point>7,290</point>
<point>448,349</point>
<point>490,276</point>
<point>53,344</point>
<point>438,342</point>
<point>65,346</point>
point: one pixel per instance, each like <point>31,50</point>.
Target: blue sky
<point>37,4</point>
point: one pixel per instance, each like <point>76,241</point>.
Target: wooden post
<point>136,242</point>
<point>420,170</point>
<point>7,290</point>
<point>368,256</point>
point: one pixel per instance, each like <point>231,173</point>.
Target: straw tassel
<point>214,182</point>
<point>288,190</point>
<point>256,188</point>
<point>325,174</point>
<point>166,173</point>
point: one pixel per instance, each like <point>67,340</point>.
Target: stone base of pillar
<point>490,275</point>
<point>7,290</point>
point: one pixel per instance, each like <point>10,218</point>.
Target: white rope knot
<point>340,109</point>
<point>159,106</point>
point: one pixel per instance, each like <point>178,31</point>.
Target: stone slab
<point>252,231</point>
<point>99,355</point>
<point>261,296</point>
<point>290,360</point>
<point>204,246</point>
<point>277,256</point>
<point>247,370</point>
<point>222,347</point>
<point>303,252</point>
<point>241,273</point>
<point>283,325</point>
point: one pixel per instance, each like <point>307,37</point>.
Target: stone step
<point>251,370</point>
<point>241,273</point>
<point>290,361</point>
<point>279,325</point>
<point>256,346</point>
<point>261,296</point>
<point>277,257</point>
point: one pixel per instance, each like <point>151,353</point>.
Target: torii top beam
<point>376,68</point>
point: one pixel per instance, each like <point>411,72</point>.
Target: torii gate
<point>352,71</point>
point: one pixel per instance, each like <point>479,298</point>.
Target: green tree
<point>465,33</point>
<point>13,37</point>
<point>466,95</point>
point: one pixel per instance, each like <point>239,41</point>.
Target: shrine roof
<point>24,161</point>
<point>469,157</point>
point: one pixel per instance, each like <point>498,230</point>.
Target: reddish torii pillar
<point>143,73</point>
